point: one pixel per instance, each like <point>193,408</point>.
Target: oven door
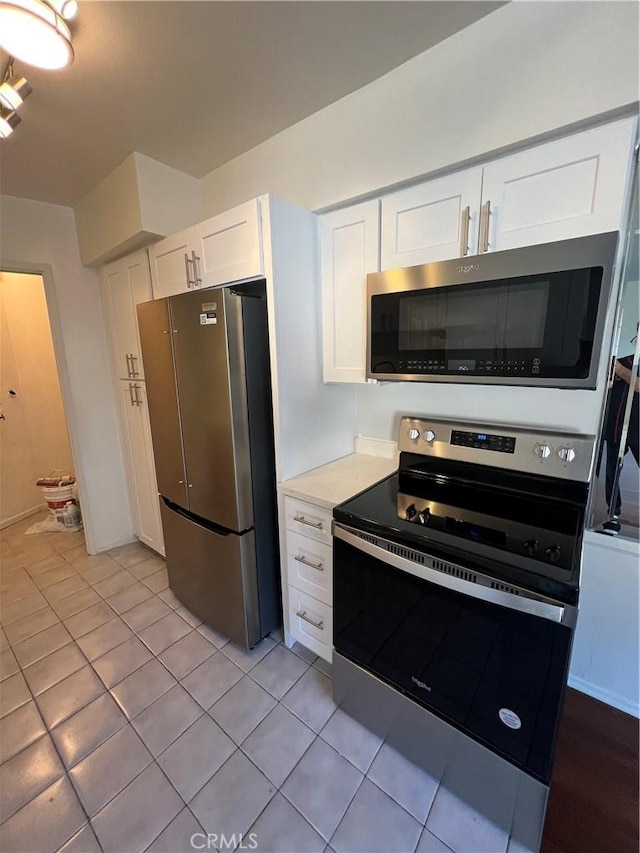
<point>489,662</point>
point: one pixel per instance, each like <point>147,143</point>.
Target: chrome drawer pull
<point>317,524</point>
<point>306,562</point>
<point>303,615</point>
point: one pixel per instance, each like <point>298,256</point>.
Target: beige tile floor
<point>127,725</point>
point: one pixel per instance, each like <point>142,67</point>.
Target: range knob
<point>410,512</point>
<point>531,546</point>
<point>429,435</point>
<point>567,454</point>
<point>553,553</point>
<point>414,433</point>
<point>542,451</point>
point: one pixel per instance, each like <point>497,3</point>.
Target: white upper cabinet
<point>126,283</point>
<point>225,248</point>
<point>434,221</point>
<point>228,247</point>
<point>171,264</point>
<point>571,187</point>
<point>349,241</point>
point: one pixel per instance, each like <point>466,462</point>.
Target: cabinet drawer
<point>309,566</point>
<point>308,519</point>
<point>311,622</point>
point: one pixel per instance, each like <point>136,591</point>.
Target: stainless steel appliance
<point>206,361</point>
<point>456,587</point>
<point>530,316</point>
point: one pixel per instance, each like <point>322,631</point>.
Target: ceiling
<point>194,84</point>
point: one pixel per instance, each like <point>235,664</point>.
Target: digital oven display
<point>483,441</point>
<point>462,365</point>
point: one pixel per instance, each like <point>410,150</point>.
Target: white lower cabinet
<point>309,574</point>
<point>140,467</point>
<point>311,623</point>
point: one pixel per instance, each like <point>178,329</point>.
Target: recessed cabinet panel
<point>228,247</point>
<point>430,222</point>
<point>554,195</point>
<point>571,187</point>
<point>170,265</point>
<point>143,489</point>
<point>350,250</point>
<point>126,283</point>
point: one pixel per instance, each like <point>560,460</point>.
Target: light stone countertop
<point>337,481</point>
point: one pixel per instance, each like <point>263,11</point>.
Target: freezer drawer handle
<point>317,524</point>
<point>306,562</point>
<point>303,615</point>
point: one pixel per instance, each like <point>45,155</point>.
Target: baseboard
<point>14,519</point>
<point>116,543</point>
<point>622,703</point>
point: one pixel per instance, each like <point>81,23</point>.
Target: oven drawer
<point>310,566</point>
<point>308,519</point>
<point>311,622</point>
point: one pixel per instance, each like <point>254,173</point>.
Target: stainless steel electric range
<point>456,586</point>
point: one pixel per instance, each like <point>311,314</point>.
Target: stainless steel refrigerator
<point>206,363</point>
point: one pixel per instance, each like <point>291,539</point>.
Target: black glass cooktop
<point>523,530</point>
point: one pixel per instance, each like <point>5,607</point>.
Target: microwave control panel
<point>477,367</point>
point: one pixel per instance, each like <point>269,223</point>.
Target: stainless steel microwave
<point>530,316</point>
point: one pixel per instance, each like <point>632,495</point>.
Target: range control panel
<point>554,454</point>
<point>484,441</point>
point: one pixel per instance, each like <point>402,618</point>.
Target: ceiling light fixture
<point>8,122</point>
<point>35,32</point>
<point>13,90</point>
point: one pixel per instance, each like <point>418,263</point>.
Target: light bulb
<point>13,92</point>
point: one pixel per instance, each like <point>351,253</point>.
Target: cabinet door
<point>141,475</point>
<point>228,247</point>
<point>171,263</point>
<point>568,188</point>
<point>434,221</point>
<point>350,248</point>
<point>126,283</point>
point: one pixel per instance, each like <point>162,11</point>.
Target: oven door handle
<point>560,613</point>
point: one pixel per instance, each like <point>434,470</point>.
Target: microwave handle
<point>562,614</point>
<point>465,217</point>
<point>485,213</point>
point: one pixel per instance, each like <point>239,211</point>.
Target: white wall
<point>606,657</point>
<point>526,69</point>
<point>33,236</point>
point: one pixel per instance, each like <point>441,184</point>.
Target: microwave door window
<point>483,318</point>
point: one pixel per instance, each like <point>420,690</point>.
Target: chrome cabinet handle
<point>303,615</point>
<point>138,399</point>
<point>186,267</point>
<point>485,213</point>
<point>129,366</point>
<point>465,217</point>
<point>195,260</point>
<point>133,402</point>
<point>305,562</point>
<point>302,520</point>
<point>134,371</point>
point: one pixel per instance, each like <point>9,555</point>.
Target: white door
<point>571,187</point>
<point>434,221</point>
<point>141,474</point>
<point>171,262</point>
<point>126,283</point>
<point>350,248</point>
<point>228,247</point>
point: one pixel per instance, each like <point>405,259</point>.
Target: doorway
<point>34,438</point>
